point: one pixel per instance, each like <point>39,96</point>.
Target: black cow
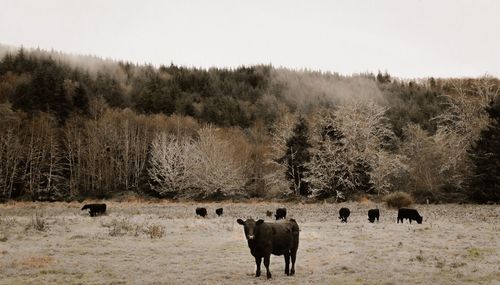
<point>373,214</point>
<point>410,214</point>
<point>269,213</point>
<point>265,239</point>
<point>95,209</point>
<point>201,212</point>
<point>219,212</point>
<point>280,213</point>
<point>344,214</point>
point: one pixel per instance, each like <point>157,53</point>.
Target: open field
<point>164,243</point>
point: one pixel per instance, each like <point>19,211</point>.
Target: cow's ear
<point>240,221</point>
<point>259,222</point>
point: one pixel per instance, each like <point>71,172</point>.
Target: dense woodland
<point>74,127</point>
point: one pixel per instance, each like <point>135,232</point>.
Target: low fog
<point>308,89</point>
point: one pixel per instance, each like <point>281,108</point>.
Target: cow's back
<point>407,212</point>
<point>282,238</point>
<point>279,236</point>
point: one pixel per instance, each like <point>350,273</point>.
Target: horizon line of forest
<point>73,128</point>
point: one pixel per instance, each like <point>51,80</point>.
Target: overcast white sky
<point>407,38</point>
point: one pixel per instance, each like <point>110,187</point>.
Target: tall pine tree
<point>297,156</point>
<point>485,155</point>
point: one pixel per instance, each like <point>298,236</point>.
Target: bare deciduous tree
<point>460,125</point>
<point>11,151</point>
<point>171,166</point>
<point>275,179</point>
<point>203,168</point>
<point>216,172</point>
<point>349,150</point>
<point>44,164</point>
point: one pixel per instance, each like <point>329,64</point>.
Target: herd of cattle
<point>344,213</point>
<point>280,238</point>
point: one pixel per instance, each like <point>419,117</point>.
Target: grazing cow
<point>410,214</point>
<point>269,213</point>
<point>280,213</point>
<point>95,209</point>
<point>373,214</point>
<point>201,212</point>
<point>265,239</point>
<point>219,211</point>
<point>344,214</point>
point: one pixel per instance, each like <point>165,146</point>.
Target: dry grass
<point>398,200</point>
<point>122,226</point>
<point>156,231</point>
<point>364,200</point>
<point>37,261</point>
<point>165,243</point>
<point>37,223</point>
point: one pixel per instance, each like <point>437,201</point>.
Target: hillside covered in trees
<point>79,126</point>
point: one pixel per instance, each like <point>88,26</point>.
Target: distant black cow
<point>265,239</point>
<point>219,212</point>
<point>410,214</point>
<point>269,213</point>
<point>201,212</point>
<point>344,214</point>
<point>373,214</point>
<point>95,209</point>
<point>280,213</point>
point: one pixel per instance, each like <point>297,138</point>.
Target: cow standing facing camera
<point>265,239</point>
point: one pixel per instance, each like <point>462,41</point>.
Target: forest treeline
<point>75,127</point>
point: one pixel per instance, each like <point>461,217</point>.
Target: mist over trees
<point>79,126</point>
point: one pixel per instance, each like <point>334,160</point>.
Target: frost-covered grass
<point>165,243</point>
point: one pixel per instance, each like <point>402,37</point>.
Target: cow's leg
<point>258,260</point>
<point>293,255</point>
<point>410,220</point>
<point>267,257</point>
<point>287,264</point>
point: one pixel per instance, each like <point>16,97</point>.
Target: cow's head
<point>249,226</point>
<point>419,219</point>
<point>85,207</point>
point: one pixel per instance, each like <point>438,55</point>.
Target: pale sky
<point>408,38</point>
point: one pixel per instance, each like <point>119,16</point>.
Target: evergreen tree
<point>485,155</point>
<point>297,156</point>
<point>109,88</point>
